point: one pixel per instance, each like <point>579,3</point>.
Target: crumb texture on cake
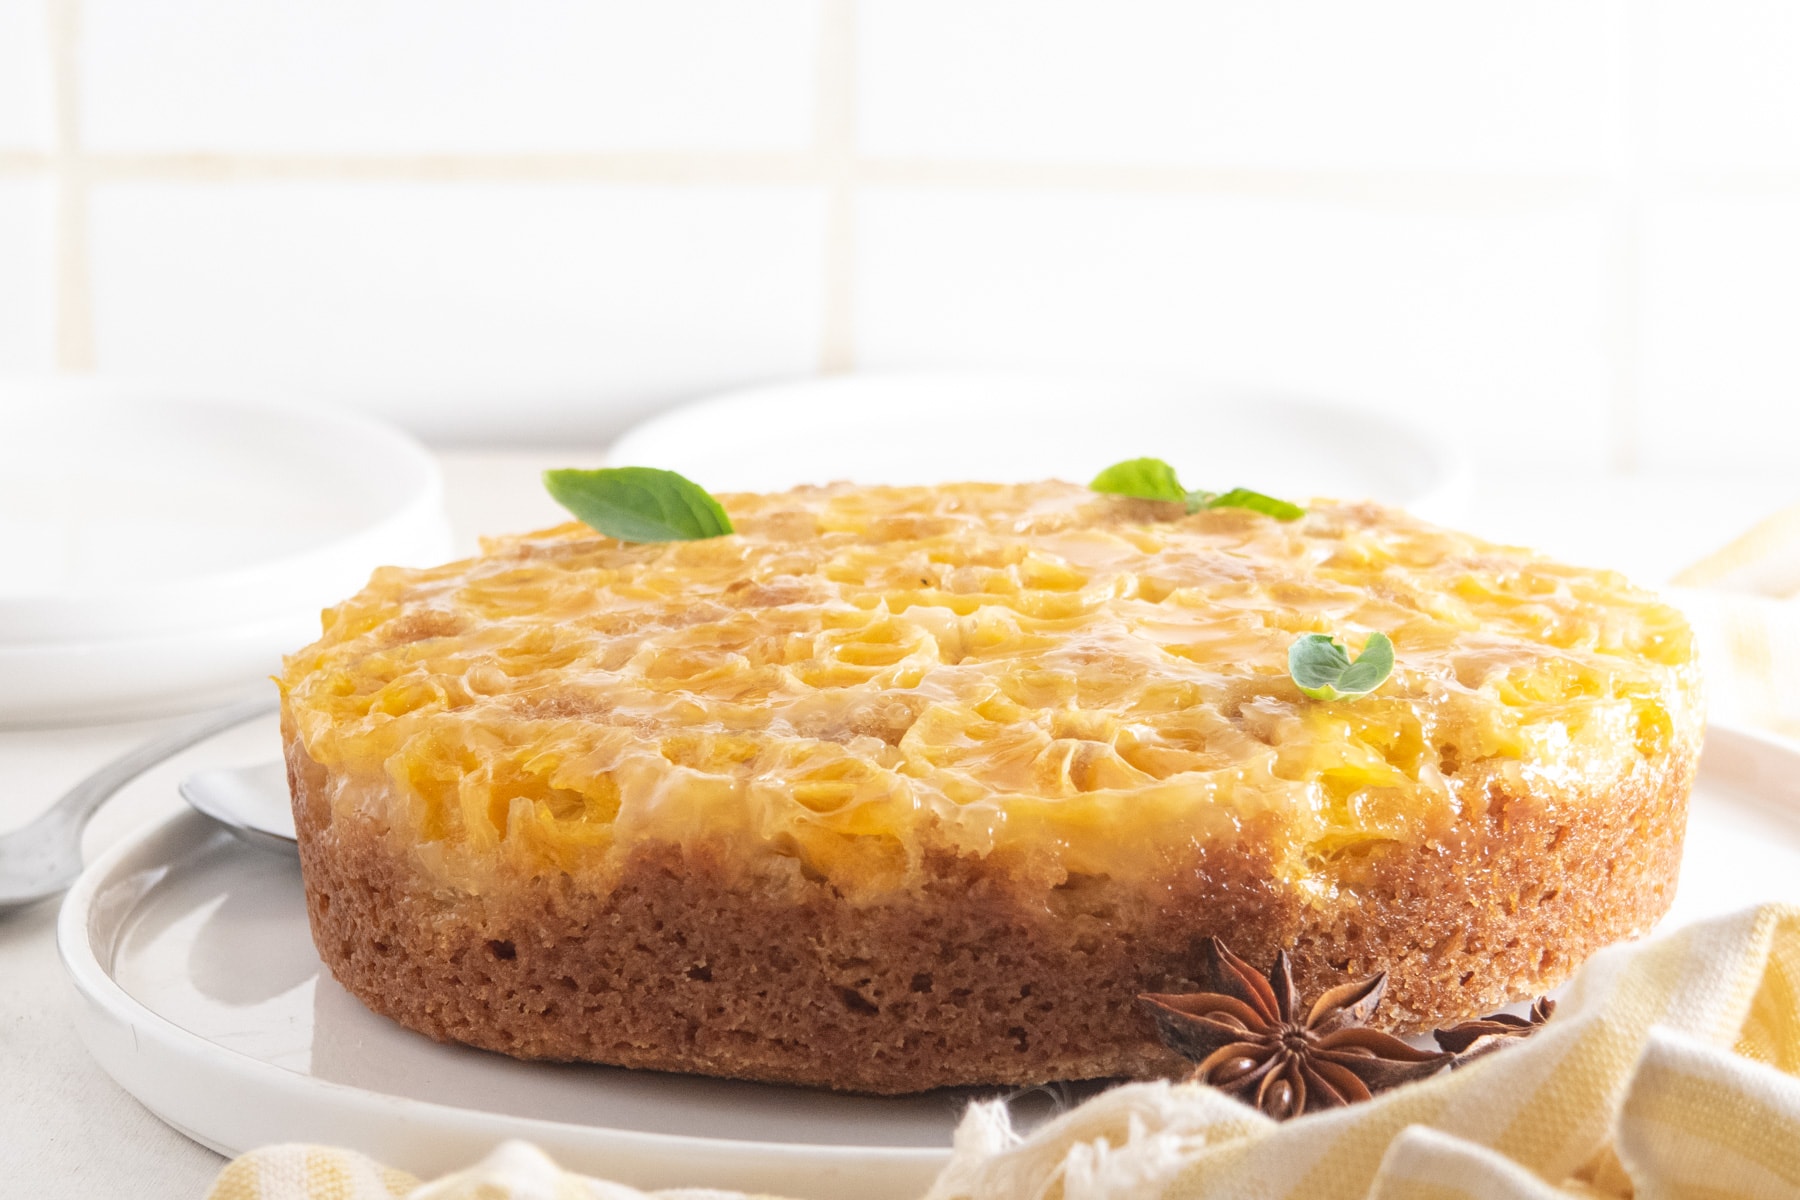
<point>686,964</point>
<point>1067,685</point>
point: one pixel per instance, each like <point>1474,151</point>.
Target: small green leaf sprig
<point>1154,479</point>
<point>639,504</point>
<point>1323,669</point>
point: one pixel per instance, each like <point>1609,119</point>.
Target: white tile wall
<point>1725,82</point>
<point>530,311</point>
<point>1567,231</point>
<point>1721,352</point>
<point>1445,317</point>
<point>434,76</point>
<point>27,275</point>
<point>1307,83</point>
<point>25,90</point>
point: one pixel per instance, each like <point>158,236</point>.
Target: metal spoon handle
<point>84,799</point>
<point>44,857</point>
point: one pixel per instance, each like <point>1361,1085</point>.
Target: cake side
<point>691,961</point>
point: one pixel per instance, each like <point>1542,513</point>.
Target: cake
<point>898,788</point>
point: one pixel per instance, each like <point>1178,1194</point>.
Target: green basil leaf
<point>1323,670</point>
<point>639,504</point>
<point>1316,662</point>
<point>1281,510</point>
<point>1371,668</point>
<point>1154,479</point>
<point>1145,478</point>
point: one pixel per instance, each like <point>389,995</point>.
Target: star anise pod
<point>1472,1039</point>
<point>1246,1037</point>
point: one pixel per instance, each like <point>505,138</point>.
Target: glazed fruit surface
<point>1061,683</point>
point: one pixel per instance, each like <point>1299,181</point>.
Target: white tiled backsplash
<point>406,77</point>
<point>1357,85</point>
<point>1568,230</point>
<point>527,309</point>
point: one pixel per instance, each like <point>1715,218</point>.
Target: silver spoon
<point>252,802</point>
<point>44,857</point>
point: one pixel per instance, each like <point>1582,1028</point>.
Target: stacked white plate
<point>160,551</point>
<point>942,427</point>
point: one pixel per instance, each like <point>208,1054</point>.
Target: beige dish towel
<point>1744,603</point>
<point>1667,1072</point>
<point>1671,1070</point>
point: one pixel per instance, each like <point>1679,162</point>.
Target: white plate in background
<point>163,550</point>
<point>203,997</point>
<point>942,428</point>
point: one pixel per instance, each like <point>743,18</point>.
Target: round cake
<point>896,788</point>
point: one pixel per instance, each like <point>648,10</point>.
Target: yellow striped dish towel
<point>1669,1071</point>
<point>1744,604</point>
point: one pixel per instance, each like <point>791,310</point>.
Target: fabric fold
<point>1701,1122</point>
<point>1667,1073</point>
<point>1423,1164</point>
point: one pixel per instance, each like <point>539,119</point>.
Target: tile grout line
<point>1398,186</point>
<point>74,293</point>
<point>834,159</point>
<point>1625,417</point>
<point>633,167</point>
<point>835,139</point>
<point>1415,188</point>
<point>26,163</point>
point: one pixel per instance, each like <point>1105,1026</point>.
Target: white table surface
<point>68,1133</point>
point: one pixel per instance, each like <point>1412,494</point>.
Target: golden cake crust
<point>900,788</point>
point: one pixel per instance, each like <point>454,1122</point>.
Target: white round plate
<point>943,428</point>
<point>203,998</point>
<point>163,548</point>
